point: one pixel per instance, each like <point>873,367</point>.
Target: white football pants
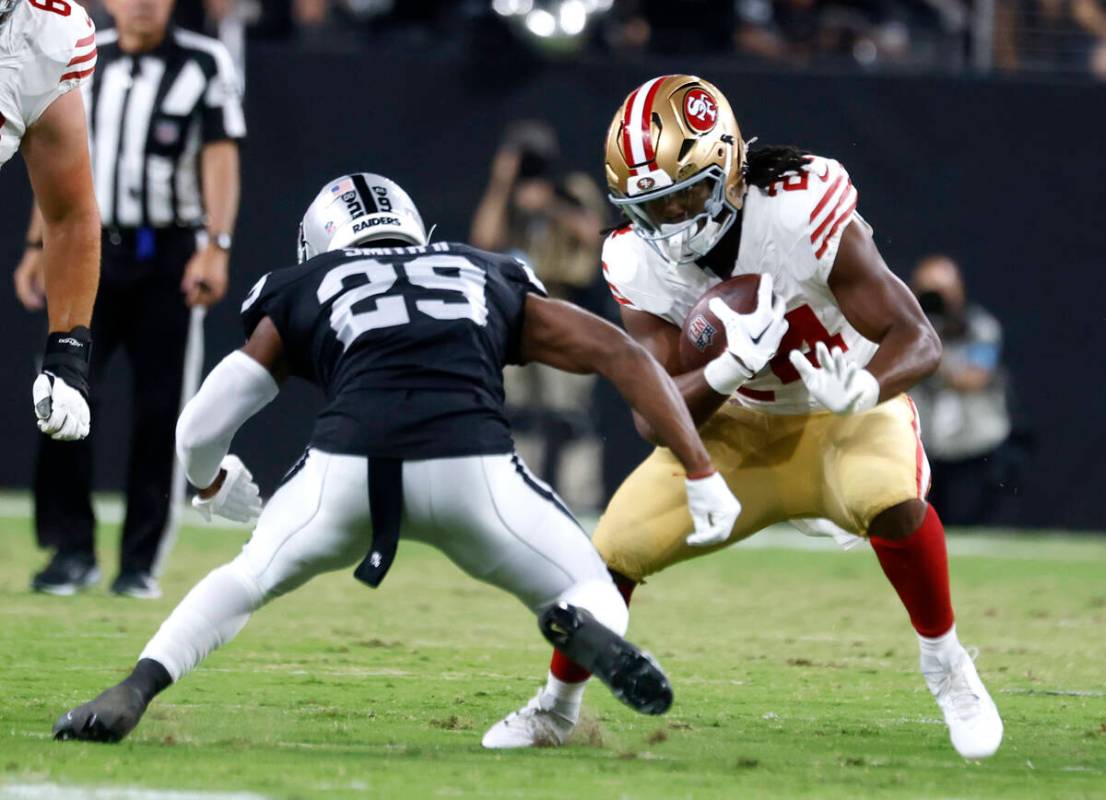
<point>486,513</point>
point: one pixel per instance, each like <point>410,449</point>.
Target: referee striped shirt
<point>149,116</point>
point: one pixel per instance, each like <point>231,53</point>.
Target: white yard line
<point>54,791</point>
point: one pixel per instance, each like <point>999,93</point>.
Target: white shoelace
<point>956,692</point>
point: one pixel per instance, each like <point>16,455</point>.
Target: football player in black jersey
<point>408,341</point>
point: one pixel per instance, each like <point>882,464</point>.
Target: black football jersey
<point>408,344</point>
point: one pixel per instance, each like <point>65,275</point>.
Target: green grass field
<point>795,674</point>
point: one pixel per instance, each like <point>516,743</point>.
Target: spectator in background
<point>1091,16</point>
<point>678,26</point>
<point>1051,35</point>
<point>551,222</point>
<point>164,127</point>
<point>963,406</point>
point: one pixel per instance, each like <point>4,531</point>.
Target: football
<point>703,337</point>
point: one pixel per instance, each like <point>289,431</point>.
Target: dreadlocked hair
<point>766,165</point>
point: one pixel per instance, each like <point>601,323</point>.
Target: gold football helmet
<point>675,159</point>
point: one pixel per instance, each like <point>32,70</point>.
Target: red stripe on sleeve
<point>81,59</point>
<point>841,220</point>
<point>621,298</point>
<point>826,198</point>
<point>844,199</point>
<point>86,41</point>
<point>70,76</point>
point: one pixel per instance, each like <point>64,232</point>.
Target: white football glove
<point>841,385</point>
<point>61,410</point>
<point>751,339</point>
<point>238,499</point>
<point>713,508</point>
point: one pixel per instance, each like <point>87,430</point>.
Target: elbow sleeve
<point>235,390</point>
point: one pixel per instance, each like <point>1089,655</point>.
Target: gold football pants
<point>845,469</point>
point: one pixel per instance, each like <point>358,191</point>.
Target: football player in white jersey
<point>47,49</point>
<point>805,413</point>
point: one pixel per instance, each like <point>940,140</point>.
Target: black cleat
<point>633,676</point>
<point>138,584</point>
<point>67,574</point>
<point>108,718</point>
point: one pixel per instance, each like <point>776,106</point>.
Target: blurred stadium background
<point>970,128</point>
<point>974,129</point>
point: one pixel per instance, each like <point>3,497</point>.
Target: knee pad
<point>240,575</point>
<point>601,598</point>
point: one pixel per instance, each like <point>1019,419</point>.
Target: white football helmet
<point>355,209</point>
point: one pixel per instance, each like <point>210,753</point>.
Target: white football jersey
<point>47,48</point>
<point>790,231</point>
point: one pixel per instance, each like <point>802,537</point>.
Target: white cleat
<point>537,724</point>
<point>974,724</point>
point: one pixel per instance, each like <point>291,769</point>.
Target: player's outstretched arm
<point>662,340</point>
<point>569,338</point>
<point>885,311</point>
<point>55,150</point>
<point>240,385</point>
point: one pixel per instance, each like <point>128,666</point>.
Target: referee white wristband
<point>725,374</point>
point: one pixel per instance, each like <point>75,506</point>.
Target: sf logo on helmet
<point>700,110</point>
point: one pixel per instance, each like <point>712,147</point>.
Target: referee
<point>165,118</point>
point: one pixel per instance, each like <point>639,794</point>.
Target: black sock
<point>149,678</point>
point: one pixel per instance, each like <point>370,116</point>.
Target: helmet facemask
<point>684,221</point>
<point>674,162</point>
<point>304,250</point>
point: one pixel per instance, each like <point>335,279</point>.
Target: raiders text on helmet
<point>357,209</point>
<point>675,142</point>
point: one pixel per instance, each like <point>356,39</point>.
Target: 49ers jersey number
<point>59,7</point>
<point>804,331</point>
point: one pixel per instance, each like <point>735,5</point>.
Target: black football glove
<point>60,392</point>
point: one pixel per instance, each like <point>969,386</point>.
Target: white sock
<point>209,616</point>
<point>940,649</point>
<point>566,696</point>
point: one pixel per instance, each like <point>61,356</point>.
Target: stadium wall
<point>1005,176</point>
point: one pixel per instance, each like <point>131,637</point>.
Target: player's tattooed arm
<point>662,340</point>
<point>885,311</point>
<point>567,337</point>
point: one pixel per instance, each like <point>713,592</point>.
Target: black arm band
<point>67,356</point>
